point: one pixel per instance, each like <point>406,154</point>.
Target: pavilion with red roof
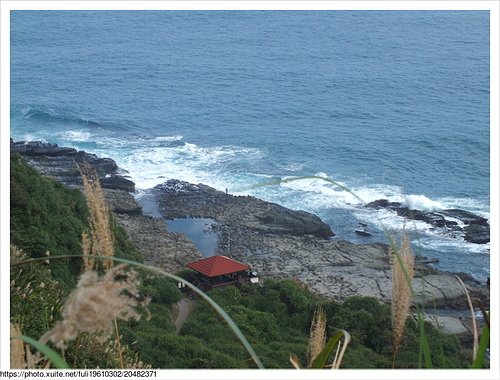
<point>217,271</point>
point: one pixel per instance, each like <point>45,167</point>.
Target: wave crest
<point>50,115</point>
<point>422,203</point>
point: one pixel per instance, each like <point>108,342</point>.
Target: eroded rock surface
<point>61,164</point>
<point>178,199</point>
<point>169,251</point>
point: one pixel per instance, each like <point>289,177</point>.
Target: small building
<point>218,271</point>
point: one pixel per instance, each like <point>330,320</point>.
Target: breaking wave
<point>50,115</point>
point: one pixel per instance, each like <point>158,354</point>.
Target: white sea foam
<point>291,167</point>
<point>442,243</point>
<point>476,206</point>
<point>76,135</point>
<point>339,194</point>
<point>421,202</point>
<point>189,162</point>
<point>33,137</point>
<point>168,138</point>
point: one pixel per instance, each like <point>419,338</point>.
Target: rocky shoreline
<point>271,241</point>
<point>169,251</point>
<point>275,241</point>
<point>473,228</point>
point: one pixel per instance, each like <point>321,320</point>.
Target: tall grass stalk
<point>17,359</point>
<point>338,342</point>
<point>100,241</point>
<point>317,336</point>
<point>402,273</point>
<point>101,238</point>
<point>482,349</point>
<point>53,356</point>
<point>475,339</point>
<point>95,303</point>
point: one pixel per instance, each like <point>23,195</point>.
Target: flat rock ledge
<point>178,199</point>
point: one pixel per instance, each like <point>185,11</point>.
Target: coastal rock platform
<point>280,243</point>
<point>274,240</point>
<point>177,199</point>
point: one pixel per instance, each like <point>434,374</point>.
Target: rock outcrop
<point>178,199</point>
<point>61,164</point>
<point>473,228</point>
<point>169,251</point>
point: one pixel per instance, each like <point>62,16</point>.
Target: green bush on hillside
<point>46,216</point>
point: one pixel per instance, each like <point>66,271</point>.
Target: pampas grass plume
<point>94,305</point>
<point>401,289</point>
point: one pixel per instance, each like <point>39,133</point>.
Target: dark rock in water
<point>383,203</point>
<point>477,233</point>
<point>466,217</point>
<point>178,199</point>
<point>423,260</point>
<point>362,232</point>
<point>477,228</point>
<point>38,148</point>
<point>104,166</point>
<point>122,202</point>
<point>119,183</point>
<point>62,164</point>
<point>432,218</point>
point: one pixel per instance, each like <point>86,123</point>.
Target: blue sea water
<point>391,104</point>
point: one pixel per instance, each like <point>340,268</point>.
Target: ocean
<point>390,104</point>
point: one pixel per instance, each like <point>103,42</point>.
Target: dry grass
<point>21,356</point>
<point>94,305</point>
<point>17,359</point>
<point>475,334</point>
<point>402,272</point>
<point>100,241</point>
<point>317,336</point>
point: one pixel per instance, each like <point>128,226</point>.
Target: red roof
<point>217,266</point>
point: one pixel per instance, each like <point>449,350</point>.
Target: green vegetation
<point>276,320</point>
<point>275,317</point>
<point>46,216</point>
